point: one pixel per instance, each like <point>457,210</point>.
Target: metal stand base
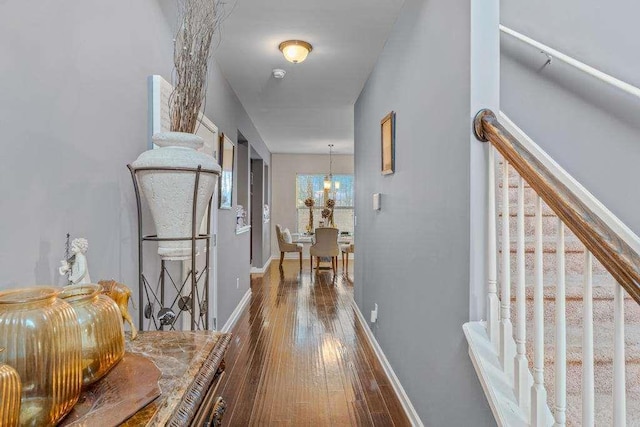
<point>189,298</point>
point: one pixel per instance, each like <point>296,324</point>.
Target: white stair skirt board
<point>497,386</point>
<point>395,382</point>
<point>233,319</point>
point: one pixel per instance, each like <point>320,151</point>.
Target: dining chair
<point>346,250</point>
<point>286,245</point>
<point>326,245</point>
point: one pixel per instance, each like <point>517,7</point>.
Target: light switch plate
<point>376,201</point>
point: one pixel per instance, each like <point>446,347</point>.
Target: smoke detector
<point>279,73</point>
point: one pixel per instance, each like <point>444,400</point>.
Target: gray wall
<point>413,255</point>
<point>591,129</point>
<point>226,111</point>
<point>73,114</point>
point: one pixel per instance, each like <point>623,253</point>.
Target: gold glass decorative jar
<point>101,327</point>
<point>42,339</point>
<point>10,391</point>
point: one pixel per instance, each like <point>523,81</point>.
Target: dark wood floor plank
<point>300,357</point>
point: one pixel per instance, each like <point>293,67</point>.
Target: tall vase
<point>169,194</point>
<point>10,391</point>
<point>101,328</point>
<point>310,225</point>
<point>42,339</point>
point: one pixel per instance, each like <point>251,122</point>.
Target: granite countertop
<point>161,380</point>
<point>185,360</point>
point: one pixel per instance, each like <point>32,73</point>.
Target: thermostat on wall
<point>376,201</point>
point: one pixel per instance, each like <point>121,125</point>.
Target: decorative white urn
<point>169,194</point>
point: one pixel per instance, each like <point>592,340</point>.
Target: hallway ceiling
<point>313,105</point>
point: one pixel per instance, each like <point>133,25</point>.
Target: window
<point>313,186</point>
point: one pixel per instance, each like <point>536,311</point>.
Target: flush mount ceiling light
<point>295,50</point>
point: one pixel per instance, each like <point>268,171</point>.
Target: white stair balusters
<point>507,345</point>
<point>522,384</point>
<point>560,361</point>
<point>566,198</point>
<point>538,392</point>
<point>588,384</point>
<point>493,303</point>
<point>619,385</point>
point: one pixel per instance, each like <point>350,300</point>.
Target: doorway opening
<point>259,198</point>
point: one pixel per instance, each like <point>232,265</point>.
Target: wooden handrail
<point>610,249</point>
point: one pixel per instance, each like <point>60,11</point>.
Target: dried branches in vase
<point>330,204</point>
<point>199,21</point>
<point>179,149</point>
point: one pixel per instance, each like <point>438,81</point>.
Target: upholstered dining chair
<point>346,250</point>
<point>326,245</point>
<point>285,244</point>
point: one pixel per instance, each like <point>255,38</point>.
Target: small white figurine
<point>77,263</point>
<point>241,216</point>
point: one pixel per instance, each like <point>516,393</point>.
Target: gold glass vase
<point>10,391</point>
<point>42,339</point>
<point>101,327</point>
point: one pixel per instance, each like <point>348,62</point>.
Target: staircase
<point>561,341</point>
<point>603,309</point>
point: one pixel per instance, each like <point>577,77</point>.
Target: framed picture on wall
<point>227,149</point>
<point>388,143</point>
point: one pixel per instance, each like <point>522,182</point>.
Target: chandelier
<point>328,179</point>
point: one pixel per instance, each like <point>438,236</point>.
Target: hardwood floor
<point>299,356</point>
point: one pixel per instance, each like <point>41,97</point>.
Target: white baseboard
<point>237,312</point>
<point>258,270</point>
<point>395,382</point>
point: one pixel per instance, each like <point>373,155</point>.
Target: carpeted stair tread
<point>603,305</point>
<point>603,339</point>
<point>549,244</point>
<point>529,210</point>
<point>603,409</point>
<point>573,291</point>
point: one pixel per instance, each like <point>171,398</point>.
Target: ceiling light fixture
<point>295,50</point>
<point>328,179</point>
